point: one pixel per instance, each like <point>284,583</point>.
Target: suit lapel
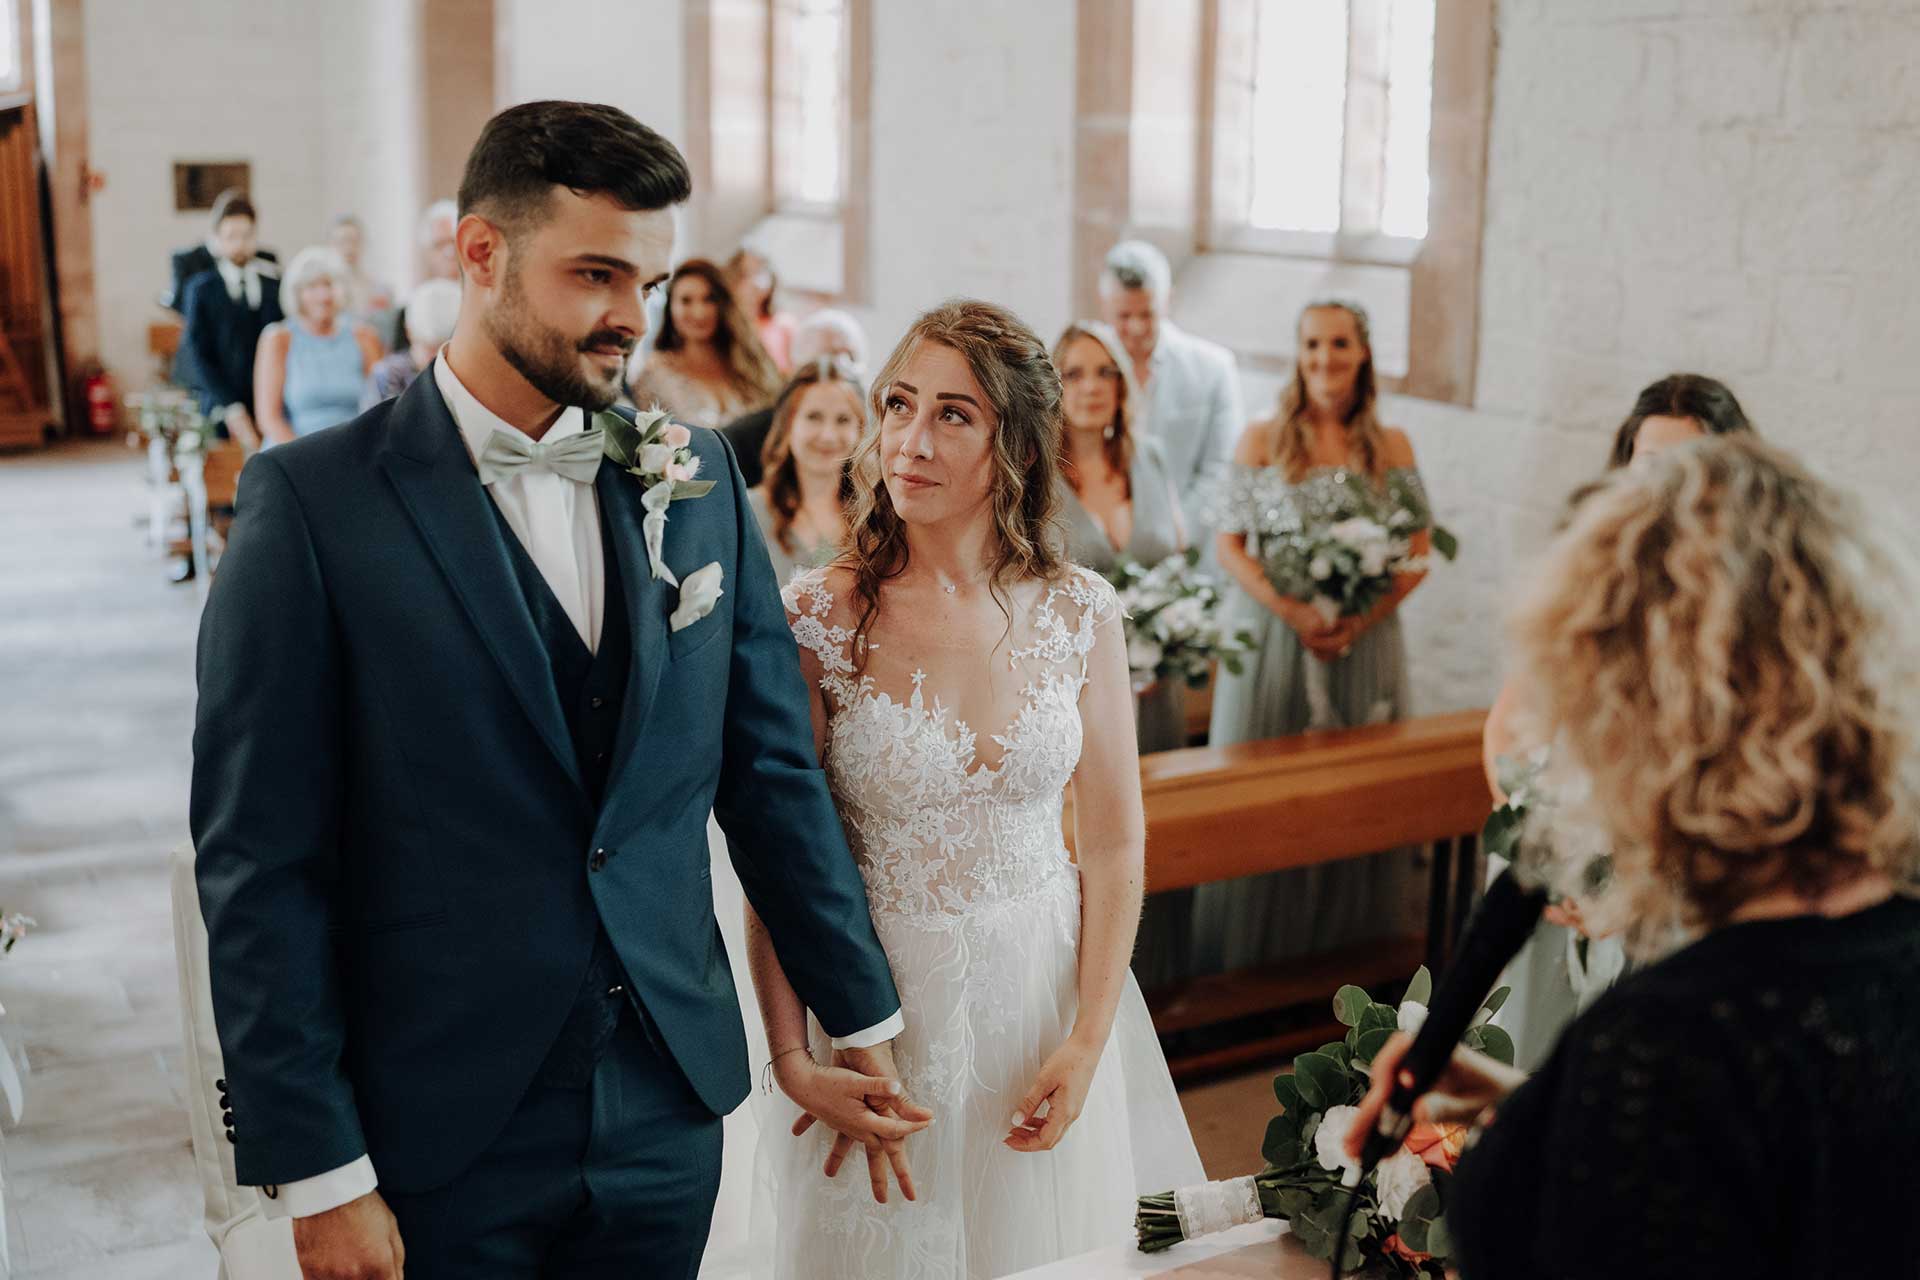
<point>648,602</point>
<point>442,493</point>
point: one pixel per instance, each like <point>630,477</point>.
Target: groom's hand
<point>357,1241</point>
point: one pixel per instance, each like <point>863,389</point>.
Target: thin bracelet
<point>766,1074</point>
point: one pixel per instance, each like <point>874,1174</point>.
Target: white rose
<point>1398,1177</point>
<point>1374,558</point>
<point>699,592</point>
<point>1413,1015</point>
<point>1321,568</point>
<point>1330,1140</point>
<point>654,458</point>
<point>1143,654</point>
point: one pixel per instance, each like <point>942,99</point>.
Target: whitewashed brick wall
<point>1725,186</point>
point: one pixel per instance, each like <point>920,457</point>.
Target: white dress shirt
<point>243,283</point>
<point>558,521</point>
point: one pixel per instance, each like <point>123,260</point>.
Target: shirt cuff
<point>879,1033</point>
<point>321,1192</point>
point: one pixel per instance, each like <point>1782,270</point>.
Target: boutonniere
<point>659,453</point>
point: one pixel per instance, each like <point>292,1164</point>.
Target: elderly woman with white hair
<point>427,321</point>
<point>309,367</point>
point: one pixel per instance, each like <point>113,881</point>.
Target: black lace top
<point>1749,1107</point>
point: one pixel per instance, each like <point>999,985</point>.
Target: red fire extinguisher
<point>103,415</point>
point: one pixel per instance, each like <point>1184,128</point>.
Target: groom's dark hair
<point>587,147</point>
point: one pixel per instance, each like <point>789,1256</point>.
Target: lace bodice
<point>938,829</point>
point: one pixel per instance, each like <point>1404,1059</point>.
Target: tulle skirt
<point>987,995</point>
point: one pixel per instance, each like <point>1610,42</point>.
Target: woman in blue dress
<point>310,367</point>
<point>1323,458</point>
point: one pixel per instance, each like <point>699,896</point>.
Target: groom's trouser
<point>608,1168</point>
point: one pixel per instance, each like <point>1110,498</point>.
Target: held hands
<point>357,1241</point>
<point>860,1098</point>
<point>1470,1085</point>
<point>1058,1094</point>
<point>1325,641</point>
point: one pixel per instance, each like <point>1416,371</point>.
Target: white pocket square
<point>699,592</point>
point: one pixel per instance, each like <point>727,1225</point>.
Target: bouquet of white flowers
<point>1343,570</point>
<point>1172,621</point>
<point>1398,1224</point>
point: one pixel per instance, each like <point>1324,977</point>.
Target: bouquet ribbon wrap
<point>1216,1206</point>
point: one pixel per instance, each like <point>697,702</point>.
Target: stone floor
<point>96,709</point>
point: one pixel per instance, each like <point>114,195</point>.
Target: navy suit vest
<point>592,685</point>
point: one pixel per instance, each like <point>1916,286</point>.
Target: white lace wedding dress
<point>977,903</point>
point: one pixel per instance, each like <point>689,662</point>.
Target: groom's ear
<point>482,250</point>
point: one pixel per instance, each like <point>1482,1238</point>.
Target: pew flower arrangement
<point>1398,1227</point>
<point>1172,621</point>
<point>172,418</point>
<point>1344,570</point>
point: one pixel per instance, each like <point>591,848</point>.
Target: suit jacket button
<point>230,1137</point>
<point>221,1084</point>
<point>598,702</point>
<point>226,1117</point>
<point>598,860</point>
<point>270,1192</point>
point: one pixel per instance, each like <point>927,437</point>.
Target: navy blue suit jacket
<point>220,337</point>
<point>399,864</point>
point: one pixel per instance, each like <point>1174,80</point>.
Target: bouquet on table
<point>1398,1225</point>
<point>1172,619</point>
<point>1344,570</point>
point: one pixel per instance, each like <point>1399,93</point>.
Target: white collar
<point>232,274</point>
<point>477,423</point>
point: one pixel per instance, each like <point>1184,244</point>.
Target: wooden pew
<point>1218,813</point>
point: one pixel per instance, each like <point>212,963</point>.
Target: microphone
<point>1500,926</point>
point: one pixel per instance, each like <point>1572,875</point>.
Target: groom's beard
<point>548,359</point>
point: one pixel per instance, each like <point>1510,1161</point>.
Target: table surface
<point>1256,1250</point>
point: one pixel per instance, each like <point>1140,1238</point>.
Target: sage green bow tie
<point>574,457</point>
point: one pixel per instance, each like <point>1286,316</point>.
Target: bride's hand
<point>1061,1088</point>
<point>860,1099</point>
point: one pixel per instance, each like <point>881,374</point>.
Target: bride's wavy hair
<point>1013,368</point>
<point>1727,652</point>
<point>1291,445</point>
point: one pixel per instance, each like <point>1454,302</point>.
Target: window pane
<point>1299,109</point>
<point>9,45</point>
<point>1403,211</point>
<point>819,69</point>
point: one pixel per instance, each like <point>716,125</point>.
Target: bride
<point>963,676</point>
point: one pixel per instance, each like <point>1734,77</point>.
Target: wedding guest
<point>802,502</point>
<point>1723,649</point>
<point>429,320</point>
<point>231,204</point>
<point>706,367</point>
<point>1119,503</point>
<point>226,310</point>
<point>1562,969</point>
<point>365,296</point>
<point>1324,457</point>
<point>438,258</point>
<point>1192,387</point>
<point>439,254</point>
<point>751,278</point>
<point>311,366</point>
<point>827,332</point>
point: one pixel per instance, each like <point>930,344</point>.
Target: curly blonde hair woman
<point>964,675</point>
<point>1725,648</point>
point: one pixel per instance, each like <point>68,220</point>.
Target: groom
<point>456,745</point>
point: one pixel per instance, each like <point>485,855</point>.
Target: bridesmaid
<point>1323,458</point>
<point>707,366</point>
<point>1119,502</point>
<point>801,502</point>
<point>1562,968</point>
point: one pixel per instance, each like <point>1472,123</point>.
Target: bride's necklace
<point>952,588</point>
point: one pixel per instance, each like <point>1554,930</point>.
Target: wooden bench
<point>1218,813</point>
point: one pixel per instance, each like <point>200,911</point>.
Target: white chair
<point>252,1246</point>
